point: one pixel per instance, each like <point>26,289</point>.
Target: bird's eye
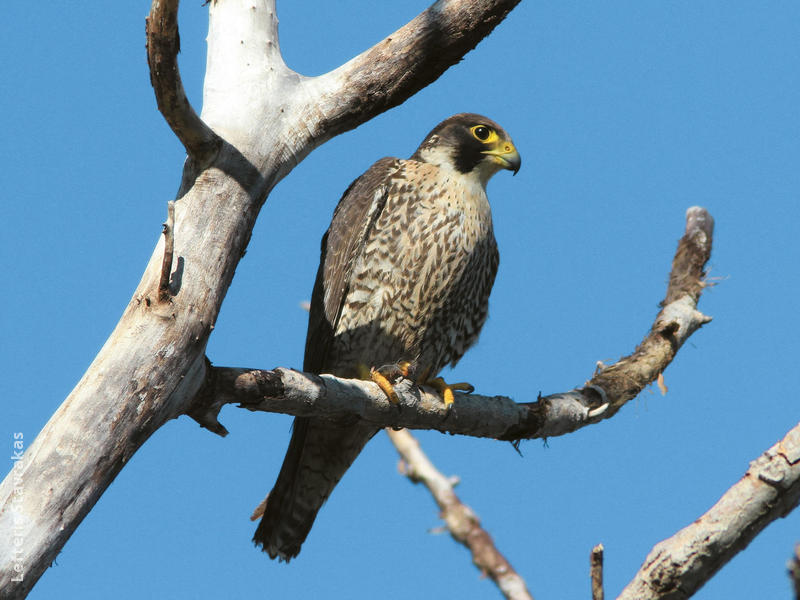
<point>481,132</point>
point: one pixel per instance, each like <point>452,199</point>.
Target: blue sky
<point>625,114</point>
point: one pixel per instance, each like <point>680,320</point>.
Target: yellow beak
<point>505,154</point>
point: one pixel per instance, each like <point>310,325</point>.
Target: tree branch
<point>163,44</point>
<point>462,523</point>
<point>677,567</point>
<point>404,62</point>
<point>794,571</point>
<point>596,572</point>
<point>169,250</point>
<point>499,417</point>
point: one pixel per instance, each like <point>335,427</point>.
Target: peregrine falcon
<point>405,272</point>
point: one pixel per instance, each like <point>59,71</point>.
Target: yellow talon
<point>463,386</point>
<point>385,385</point>
<point>448,397</point>
<point>445,391</point>
<point>384,376</point>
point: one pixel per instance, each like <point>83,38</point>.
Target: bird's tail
<point>318,455</point>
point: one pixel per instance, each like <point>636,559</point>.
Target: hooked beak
<point>506,156</point>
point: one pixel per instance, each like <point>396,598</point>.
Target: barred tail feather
<point>318,456</point>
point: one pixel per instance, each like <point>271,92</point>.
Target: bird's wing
<point>353,219</point>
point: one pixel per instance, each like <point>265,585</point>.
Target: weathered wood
<point>460,520</point>
<point>679,566</point>
<point>794,571</point>
<point>259,120</point>
<point>596,572</point>
<point>163,45</point>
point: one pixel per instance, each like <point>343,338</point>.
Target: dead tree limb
<point>499,417</point>
<point>794,571</point>
<point>163,45</point>
<point>677,567</point>
<point>596,572</point>
<point>169,253</point>
<point>264,119</point>
<point>678,319</point>
<point>462,523</point>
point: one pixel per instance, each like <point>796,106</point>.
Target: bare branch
<point>596,572</point>
<point>169,250</point>
<point>498,417</point>
<point>794,571</point>
<point>462,523</point>
<point>306,394</point>
<point>677,567</point>
<point>406,61</point>
<point>624,380</point>
<point>163,45</point>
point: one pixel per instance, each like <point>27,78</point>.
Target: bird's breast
<point>422,281</point>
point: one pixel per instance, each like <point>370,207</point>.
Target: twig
<point>461,521</point>
<point>163,45</point>
<point>596,572</point>
<point>677,567</point>
<point>169,250</point>
<point>794,571</point>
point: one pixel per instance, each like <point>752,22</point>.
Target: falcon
<point>403,285</point>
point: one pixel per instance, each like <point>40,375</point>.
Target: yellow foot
<point>383,376</point>
<point>446,390</point>
<point>385,385</point>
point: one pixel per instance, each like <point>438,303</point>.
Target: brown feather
<point>405,273</point>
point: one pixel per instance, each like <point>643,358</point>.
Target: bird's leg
<point>384,376</point>
<point>385,385</point>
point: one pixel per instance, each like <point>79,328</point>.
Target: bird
<point>405,273</point>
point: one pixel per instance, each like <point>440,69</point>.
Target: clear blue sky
<point>625,113</point>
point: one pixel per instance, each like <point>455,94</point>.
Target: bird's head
<point>470,144</point>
